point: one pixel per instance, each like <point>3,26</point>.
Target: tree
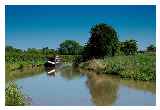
<point>70,47</point>
<point>151,48</point>
<point>10,49</point>
<point>129,47</point>
<point>102,42</point>
<point>48,52</point>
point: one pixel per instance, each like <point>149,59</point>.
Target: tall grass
<point>21,64</point>
<point>137,67</point>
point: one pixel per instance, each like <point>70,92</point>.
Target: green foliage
<point>21,66</point>
<point>151,48</point>
<point>102,42</point>
<point>17,58</point>
<point>68,58</point>
<point>137,67</point>
<point>14,96</point>
<point>70,47</point>
<point>129,47</point>
<point>48,52</point>
<point>77,60</point>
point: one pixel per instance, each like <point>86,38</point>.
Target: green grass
<point>137,67</point>
<point>20,65</point>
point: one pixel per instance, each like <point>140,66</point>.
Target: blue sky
<point>48,26</point>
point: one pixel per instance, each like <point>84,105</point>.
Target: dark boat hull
<point>49,65</point>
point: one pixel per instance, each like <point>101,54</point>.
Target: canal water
<point>70,87</point>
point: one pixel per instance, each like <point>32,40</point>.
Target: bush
<point>21,66</point>
<point>14,96</point>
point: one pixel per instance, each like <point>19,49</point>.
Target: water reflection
<point>83,88</point>
<point>50,71</point>
<point>65,71</point>
<point>70,73</point>
<point>102,89</point>
<point>24,73</point>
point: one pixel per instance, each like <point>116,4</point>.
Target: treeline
<point>67,49</point>
<point>31,55</point>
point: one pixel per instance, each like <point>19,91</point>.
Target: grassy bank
<point>137,67</point>
<point>21,64</point>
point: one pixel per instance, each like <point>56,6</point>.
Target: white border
<point>2,53</point>
<point>74,2</point>
<point>158,54</point>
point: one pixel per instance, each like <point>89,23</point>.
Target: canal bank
<point>134,67</point>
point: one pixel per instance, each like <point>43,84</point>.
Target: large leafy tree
<point>102,42</point>
<point>70,47</point>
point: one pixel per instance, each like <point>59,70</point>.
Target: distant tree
<point>12,54</point>
<point>141,51</point>
<point>103,42</point>
<point>129,47</point>
<point>48,52</point>
<point>70,47</point>
<point>12,50</point>
<point>151,48</point>
<point>33,51</point>
<point>9,48</point>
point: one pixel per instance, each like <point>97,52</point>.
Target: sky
<point>38,26</point>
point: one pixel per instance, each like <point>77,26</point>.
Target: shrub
<point>14,96</point>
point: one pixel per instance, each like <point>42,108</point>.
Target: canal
<point>69,86</point>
